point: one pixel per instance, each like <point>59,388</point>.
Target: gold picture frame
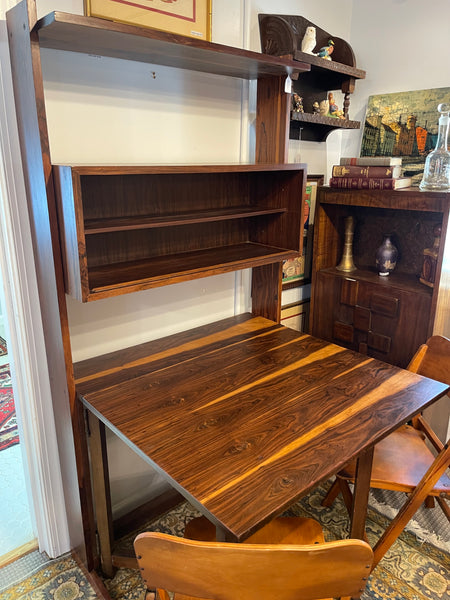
<point>191,18</point>
<point>297,271</point>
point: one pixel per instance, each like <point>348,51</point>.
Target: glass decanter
<point>436,174</point>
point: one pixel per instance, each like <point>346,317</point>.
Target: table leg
<point>361,493</point>
<point>102,496</point>
<point>222,535</point>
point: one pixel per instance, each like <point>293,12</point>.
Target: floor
<point>16,527</point>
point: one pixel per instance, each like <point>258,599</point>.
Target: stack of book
<point>369,173</point>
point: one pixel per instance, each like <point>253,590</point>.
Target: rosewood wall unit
<point>262,226</point>
<point>384,317</point>
<point>137,228</point>
<point>282,35</point>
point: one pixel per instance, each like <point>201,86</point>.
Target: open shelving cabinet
<point>63,264</point>
<point>281,35</point>
<point>137,228</point>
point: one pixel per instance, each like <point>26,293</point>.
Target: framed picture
<point>296,315</point>
<point>297,271</point>
<point>403,124</point>
<point>186,17</point>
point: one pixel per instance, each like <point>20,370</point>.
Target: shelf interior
<point>94,226</point>
<point>152,272</point>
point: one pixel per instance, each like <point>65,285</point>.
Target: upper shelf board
<point>90,35</point>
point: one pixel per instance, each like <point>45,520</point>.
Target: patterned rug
<point>8,421</point>
<point>411,570</point>
<point>3,347</point>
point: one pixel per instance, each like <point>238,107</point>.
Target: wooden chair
<point>403,461</point>
<point>273,563</point>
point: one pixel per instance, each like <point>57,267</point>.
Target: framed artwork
<point>186,17</point>
<point>297,271</point>
<point>296,315</point>
<point>403,124</point>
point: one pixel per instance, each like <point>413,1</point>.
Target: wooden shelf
<point>92,226</point>
<point>398,280</point>
<point>90,35</point>
<point>282,35</point>
<point>121,278</point>
<point>316,128</point>
<point>127,228</point>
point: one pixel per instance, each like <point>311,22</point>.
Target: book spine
<point>363,183</point>
<point>364,171</point>
<point>382,161</point>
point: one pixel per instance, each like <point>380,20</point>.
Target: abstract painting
<point>403,124</point>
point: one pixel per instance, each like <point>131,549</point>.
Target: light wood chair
<point>273,563</point>
<point>403,461</point>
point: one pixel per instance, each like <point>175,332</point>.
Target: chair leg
<point>445,507</point>
<point>429,502</point>
<point>332,494</point>
<point>347,495</point>
<point>417,497</point>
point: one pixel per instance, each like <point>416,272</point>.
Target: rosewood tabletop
<point>245,416</point>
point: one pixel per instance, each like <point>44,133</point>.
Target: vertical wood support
<point>272,137</point>
<point>102,495</point>
<point>361,493</point>
<point>266,291</point>
<point>272,120</point>
<point>37,169</point>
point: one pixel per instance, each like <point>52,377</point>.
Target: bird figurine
<point>309,40</point>
<point>325,51</point>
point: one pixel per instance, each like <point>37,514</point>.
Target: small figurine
<point>334,109</point>
<point>324,108</point>
<point>297,103</point>
<point>325,51</point>
<point>315,108</point>
<point>309,40</point>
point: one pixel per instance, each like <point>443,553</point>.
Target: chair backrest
<point>226,571</point>
<point>433,359</point>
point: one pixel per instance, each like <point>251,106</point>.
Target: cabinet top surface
<point>194,168</point>
<point>90,35</point>
<point>411,198</point>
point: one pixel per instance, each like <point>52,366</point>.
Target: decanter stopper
<point>436,174</point>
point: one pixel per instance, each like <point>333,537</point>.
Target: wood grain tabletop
<point>245,416</point>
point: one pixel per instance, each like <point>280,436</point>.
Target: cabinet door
<point>382,321</point>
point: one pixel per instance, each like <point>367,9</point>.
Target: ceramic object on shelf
<point>386,256</point>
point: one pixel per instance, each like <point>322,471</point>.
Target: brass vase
<point>347,263</point>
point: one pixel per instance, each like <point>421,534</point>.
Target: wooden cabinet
<point>282,35</point>
<point>125,229</point>
<point>99,232</point>
<point>384,317</point>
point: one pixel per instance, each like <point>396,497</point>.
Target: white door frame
<point>26,340</point>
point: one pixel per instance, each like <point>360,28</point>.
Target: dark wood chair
<point>412,459</point>
<point>287,559</point>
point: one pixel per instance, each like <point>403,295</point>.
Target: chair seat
<point>282,530</point>
<point>399,463</point>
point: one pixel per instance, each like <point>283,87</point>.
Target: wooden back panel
<point>224,571</point>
